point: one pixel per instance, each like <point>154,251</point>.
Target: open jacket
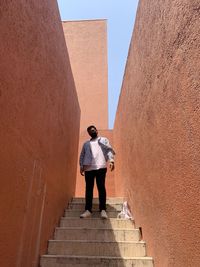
<point>86,153</point>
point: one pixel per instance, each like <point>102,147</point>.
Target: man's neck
<point>94,138</point>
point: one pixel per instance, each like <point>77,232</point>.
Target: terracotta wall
<point>80,180</point>
<point>86,42</point>
<point>39,125</point>
<point>157,130</point>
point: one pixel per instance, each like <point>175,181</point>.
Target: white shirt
<point>98,159</point>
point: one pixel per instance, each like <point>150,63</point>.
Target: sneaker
<point>86,214</point>
<point>104,214</point>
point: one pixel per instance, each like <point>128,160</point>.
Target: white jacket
<point>86,153</point>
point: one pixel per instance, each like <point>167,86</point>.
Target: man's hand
<point>112,166</point>
<point>82,172</point>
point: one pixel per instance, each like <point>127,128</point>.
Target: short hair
<point>91,126</point>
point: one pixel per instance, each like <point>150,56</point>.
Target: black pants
<point>100,181</point>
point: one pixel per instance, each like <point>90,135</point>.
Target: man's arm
<point>81,158</point>
<point>110,154</point>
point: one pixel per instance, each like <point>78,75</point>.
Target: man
<point>93,163</point>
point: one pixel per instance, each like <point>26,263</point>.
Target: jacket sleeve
<point>82,154</point>
<point>110,156</point>
<point>110,150</point>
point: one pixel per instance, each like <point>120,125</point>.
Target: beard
<point>93,135</point>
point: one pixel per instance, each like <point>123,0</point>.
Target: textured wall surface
<point>39,126</point>
<point>87,45</point>
<point>157,130</point>
<point>110,182</point>
<point>86,42</point>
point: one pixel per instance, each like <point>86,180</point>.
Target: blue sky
<point>121,16</point>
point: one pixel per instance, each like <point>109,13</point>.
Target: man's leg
<point>89,180</point>
<point>100,179</point>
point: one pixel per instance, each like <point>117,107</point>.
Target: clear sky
<point>121,16</point>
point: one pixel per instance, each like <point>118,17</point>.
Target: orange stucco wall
<point>157,130</point>
<point>39,126</point>
<point>110,182</point>
<point>86,42</point>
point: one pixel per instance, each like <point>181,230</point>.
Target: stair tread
<point>97,199</point>
<point>94,211</point>
<point>98,241</point>
<point>94,228</point>
<point>117,246</point>
<point>95,203</point>
<point>94,257</point>
<point>93,218</point>
<point>77,212</point>
<point>95,206</point>
<point>94,221</point>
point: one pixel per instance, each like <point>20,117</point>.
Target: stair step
<point>95,214</point>
<point>110,200</point>
<point>94,261</point>
<point>111,223</point>
<point>95,242</point>
<point>95,207</point>
<point>96,234</point>
<point>97,248</point>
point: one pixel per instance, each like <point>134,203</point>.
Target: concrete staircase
<point>96,242</point>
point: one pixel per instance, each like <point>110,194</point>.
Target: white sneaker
<point>86,214</point>
<point>104,214</point>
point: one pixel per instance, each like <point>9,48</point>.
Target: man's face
<point>93,132</point>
